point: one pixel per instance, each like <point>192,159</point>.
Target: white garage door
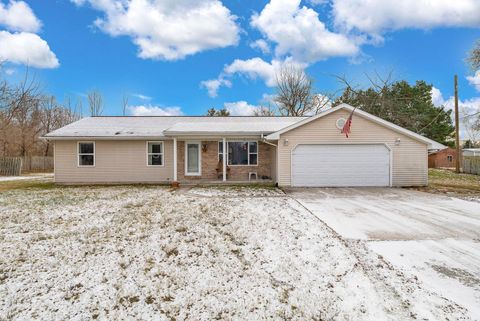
<point>341,165</point>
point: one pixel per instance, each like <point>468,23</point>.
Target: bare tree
<point>22,113</point>
<point>47,118</point>
<point>95,103</point>
<point>78,110</point>
<point>15,97</point>
<point>294,91</point>
<point>25,115</point>
<point>295,95</point>
<point>124,104</point>
<point>472,127</point>
<point>266,110</point>
<point>474,56</point>
<point>27,124</point>
<point>53,116</point>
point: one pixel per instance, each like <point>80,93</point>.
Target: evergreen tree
<point>405,105</point>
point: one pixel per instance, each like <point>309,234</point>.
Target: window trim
<point>162,153</point>
<point>79,154</point>
<point>248,151</point>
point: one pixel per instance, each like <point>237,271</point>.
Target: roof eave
<point>104,137</point>
<point>215,133</point>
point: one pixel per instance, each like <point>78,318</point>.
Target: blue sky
<point>159,53</point>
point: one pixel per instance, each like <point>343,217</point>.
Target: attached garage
<point>314,152</point>
<point>336,165</point>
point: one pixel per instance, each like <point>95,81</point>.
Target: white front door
<point>193,159</point>
<point>341,165</point>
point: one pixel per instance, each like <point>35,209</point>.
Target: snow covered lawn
<point>431,237</point>
<point>35,176</point>
<point>133,252</point>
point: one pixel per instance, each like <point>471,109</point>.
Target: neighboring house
<point>467,152</point>
<point>444,158</point>
<point>290,151</point>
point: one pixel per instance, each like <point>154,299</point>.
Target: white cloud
<point>268,99</point>
<point>20,45</point>
<point>318,2</point>
<point>142,97</point>
<point>475,80</point>
<point>377,16</point>
<point>17,16</point>
<point>255,68</point>
<point>298,33</point>
<point>252,69</point>
<point>26,48</point>
<point>151,110</point>
<point>437,98</point>
<point>170,29</point>
<point>9,71</point>
<point>241,108</point>
<point>465,107</point>
<point>262,45</point>
<point>213,85</point>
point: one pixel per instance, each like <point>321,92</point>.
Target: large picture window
<point>86,154</point>
<point>239,153</point>
<point>155,153</point>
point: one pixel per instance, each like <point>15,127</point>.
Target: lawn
<point>461,185</point>
<point>152,253</point>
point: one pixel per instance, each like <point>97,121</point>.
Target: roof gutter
<point>264,140</point>
<point>105,137</point>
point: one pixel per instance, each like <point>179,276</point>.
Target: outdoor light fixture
<point>285,142</point>
<point>204,147</point>
<point>397,142</point>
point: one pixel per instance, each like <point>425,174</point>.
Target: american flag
<point>348,123</point>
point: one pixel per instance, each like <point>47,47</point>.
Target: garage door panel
<point>341,165</point>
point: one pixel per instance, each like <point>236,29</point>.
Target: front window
<point>240,153</point>
<point>450,158</point>
<point>155,153</point>
<point>86,154</point>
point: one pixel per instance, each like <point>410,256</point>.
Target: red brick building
<point>443,158</point>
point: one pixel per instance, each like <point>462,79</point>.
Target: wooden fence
<point>10,166</point>
<point>471,165</point>
<point>37,164</point>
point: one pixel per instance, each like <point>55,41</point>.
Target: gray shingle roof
<point>161,126</point>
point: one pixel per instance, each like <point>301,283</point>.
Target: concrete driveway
<point>433,237</point>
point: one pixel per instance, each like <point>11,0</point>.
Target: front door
<point>193,163</point>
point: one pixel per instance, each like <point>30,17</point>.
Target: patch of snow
<point>392,214</point>
<point>235,191</point>
<point>403,235</point>
<point>145,252</point>
<point>26,177</point>
<point>449,267</point>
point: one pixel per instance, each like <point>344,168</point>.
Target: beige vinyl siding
<point>119,161</point>
<point>409,159</point>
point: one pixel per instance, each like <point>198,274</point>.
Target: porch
<point>223,161</point>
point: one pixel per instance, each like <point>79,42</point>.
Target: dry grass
<point>26,184</point>
<point>445,181</point>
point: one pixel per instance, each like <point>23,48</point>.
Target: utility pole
<point>457,137</point>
